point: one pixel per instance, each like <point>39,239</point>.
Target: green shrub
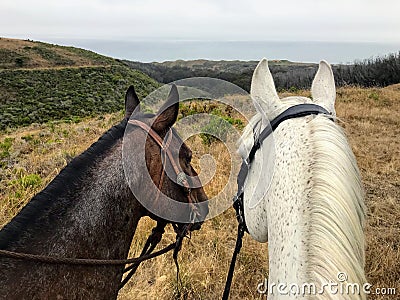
<point>19,62</point>
<point>30,180</point>
<point>27,138</point>
<point>216,129</point>
<point>52,56</point>
<point>374,96</point>
<point>5,146</point>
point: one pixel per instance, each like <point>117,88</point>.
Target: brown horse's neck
<point>94,216</point>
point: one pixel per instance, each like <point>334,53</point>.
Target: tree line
<point>373,72</point>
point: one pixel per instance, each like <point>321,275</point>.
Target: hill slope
<point>286,74</point>
<point>377,71</point>
<point>56,82</point>
<point>16,54</point>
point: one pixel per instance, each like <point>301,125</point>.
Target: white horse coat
<point>307,199</point>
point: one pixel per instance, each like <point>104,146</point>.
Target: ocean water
<point>150,51</point>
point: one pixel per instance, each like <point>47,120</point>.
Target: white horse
<point>310,203</point>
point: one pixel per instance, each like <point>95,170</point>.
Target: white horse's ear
<point>323,87</point>
<point>263,89</point>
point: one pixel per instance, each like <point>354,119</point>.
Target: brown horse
<point>89,211</point>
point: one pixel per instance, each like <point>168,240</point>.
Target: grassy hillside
<point>16,54</point>
<point>56,82</point>
<point>33,156</point>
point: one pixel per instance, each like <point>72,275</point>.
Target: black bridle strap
<point>238,246</point>
<point>297,111</point>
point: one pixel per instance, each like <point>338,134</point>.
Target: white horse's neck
<point>313,209</point>
<point>287,213</point>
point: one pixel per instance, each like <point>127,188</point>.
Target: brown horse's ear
<point>168,113</point>
<point>131,101</point>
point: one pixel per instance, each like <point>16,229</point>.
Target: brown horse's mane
<point>42,209</point>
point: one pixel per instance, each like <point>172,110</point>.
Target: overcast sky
<point>286,20</point>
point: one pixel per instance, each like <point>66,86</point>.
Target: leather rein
<point>154,238</point>
<point>296,111</point>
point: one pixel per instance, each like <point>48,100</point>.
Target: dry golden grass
<point>371,119</point>
<point>37,61</point>
<point>43,150</point>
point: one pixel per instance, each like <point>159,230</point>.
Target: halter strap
<point>149,130</point>
<point>180,175</point>
<point>164,147</point>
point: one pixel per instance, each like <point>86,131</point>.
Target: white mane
<point>337,211</point>
<point>313,214</point>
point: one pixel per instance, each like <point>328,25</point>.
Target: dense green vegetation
<point>222,120</point>
<point>36,96</point>
<point>236,72</point>
<point>42,82</point>
<point>380,71</point>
